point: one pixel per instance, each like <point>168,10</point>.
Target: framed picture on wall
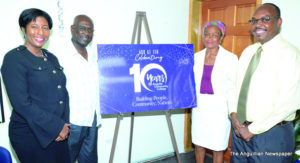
<point>2,118</point>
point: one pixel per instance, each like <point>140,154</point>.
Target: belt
<point>278,124</point>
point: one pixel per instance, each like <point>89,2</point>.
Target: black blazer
<point>36,88</point>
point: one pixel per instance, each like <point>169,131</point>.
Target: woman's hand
<point>64,133</point>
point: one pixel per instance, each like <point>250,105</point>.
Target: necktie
<point>241,110</point>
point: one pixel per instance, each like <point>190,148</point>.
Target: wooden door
<point>235,15</point>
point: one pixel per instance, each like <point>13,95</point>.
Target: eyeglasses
<point>263,20</point>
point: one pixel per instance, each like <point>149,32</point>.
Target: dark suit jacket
<point>36,88</point>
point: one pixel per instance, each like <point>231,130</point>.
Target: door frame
<point>194,37</point>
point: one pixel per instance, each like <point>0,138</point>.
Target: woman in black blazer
<point>36,87</point>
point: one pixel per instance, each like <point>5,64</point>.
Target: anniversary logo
<point>146,77</point>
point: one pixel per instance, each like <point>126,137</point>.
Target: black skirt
<point>29,150</point>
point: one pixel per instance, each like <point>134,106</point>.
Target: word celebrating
<point>148,55</point>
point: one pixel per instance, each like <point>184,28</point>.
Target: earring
<point>25,36</point>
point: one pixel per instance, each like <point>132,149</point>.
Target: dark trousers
<point>83,143</point>
<point>273,146</point>
<point>29,150</point>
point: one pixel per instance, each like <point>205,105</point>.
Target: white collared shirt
<point>82,84</point>
<point>274,91</point>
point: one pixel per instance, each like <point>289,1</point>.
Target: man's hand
<point>236,124</point>
<point>64,133</point>
<point>245,134</point>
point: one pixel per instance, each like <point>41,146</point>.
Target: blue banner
<point>146,77</point>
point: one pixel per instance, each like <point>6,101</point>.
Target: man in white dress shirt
<point>263,129</point>
<point>81,68</point>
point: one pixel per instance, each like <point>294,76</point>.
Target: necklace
<point>41,54</point>
<point>210,59</point>
<point>210,55</point>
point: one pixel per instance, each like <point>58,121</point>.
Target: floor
<point>188,157</point>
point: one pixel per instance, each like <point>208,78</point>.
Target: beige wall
<point>290,11</point>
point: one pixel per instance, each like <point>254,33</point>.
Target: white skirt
<point>210,123</point>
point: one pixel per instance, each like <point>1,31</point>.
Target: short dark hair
<point>31,14</point>
<point>277,10</point>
